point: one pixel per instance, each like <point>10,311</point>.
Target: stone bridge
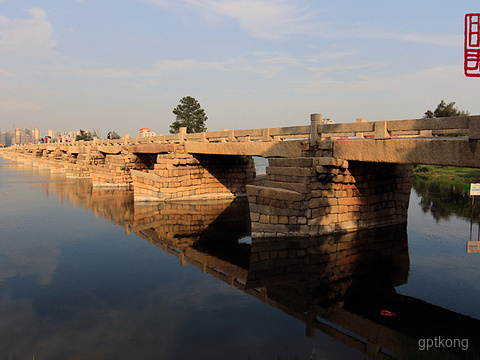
<point>321,178</point>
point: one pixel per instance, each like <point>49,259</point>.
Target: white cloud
<point>190,65</point>
<point>31,37</point>
<point>343,68</point>
<point>281,58</point>
<point>146,83</point>
<point>160,69</point>
<point>279,19</point>
<point>167,66</point>
<point>437,39</point>
<point>264,19</point>
<point>332,55</point>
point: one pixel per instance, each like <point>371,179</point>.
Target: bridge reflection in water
<point>337,284</point>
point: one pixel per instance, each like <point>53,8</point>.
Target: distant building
<point>36,136</point>
<point>18,136</point>
<point>52,133</point>
<point>145,132</point>
<point>7,138</point>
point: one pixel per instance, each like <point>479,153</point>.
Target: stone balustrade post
<point>266,135</point>
<point>381,131</point>
<point>223,139</point>
<point>182,132</point>
<point>315,120</point>
<point>425,133</point>
<point>474,129</point>
<point>231,136</point>
<point>359,135</point>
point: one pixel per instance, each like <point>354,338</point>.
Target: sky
<point>121,65</point>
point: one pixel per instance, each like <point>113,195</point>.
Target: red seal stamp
<point>472,45</point>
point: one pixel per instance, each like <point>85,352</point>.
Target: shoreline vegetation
<point>451,174</point>
<point>445,191</point>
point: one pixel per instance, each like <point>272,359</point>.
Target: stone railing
<point>316,131</point>
<point>403,128</point>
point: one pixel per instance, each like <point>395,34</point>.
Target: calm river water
<point>89,275</point>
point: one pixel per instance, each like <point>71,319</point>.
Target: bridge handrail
<point>469,125</point>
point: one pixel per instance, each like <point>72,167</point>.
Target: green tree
<point>84,135</point>
<point>190,115</point>
<point>445,110</point>
<point>114,135</point>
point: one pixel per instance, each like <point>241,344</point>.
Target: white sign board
<point>474,189</point>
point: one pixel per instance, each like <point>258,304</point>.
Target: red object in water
<point>388,313</point>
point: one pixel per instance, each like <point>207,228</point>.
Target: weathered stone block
<point>352,201</point>
<point>324,220</point>
<point>294,162</point>
<point>322,202</point>
<point>290,170</point>
<point>301,188</point>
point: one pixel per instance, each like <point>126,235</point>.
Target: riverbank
<point>452,174</point>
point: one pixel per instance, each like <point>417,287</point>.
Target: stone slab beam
<point>152,148</point>
<point>285,149</point>
<point>449,152</point>
<point>111,149</point>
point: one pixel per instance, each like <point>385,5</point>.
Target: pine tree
<point>190,115</point>
<point>445,110</point>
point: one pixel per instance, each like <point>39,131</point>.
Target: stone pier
<point>115,173</point>
<point>312,196</point>
<point>178,175</point>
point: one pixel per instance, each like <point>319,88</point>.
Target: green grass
<point>462,174</point>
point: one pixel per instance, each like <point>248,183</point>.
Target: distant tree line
<point>445,110</point>
<point>86,135</point>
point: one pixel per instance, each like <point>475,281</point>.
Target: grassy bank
<point>448,173</point>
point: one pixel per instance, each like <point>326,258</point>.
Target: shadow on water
<point>343,285</point>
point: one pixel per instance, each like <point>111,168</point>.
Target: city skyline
<point>26,135</point>
<point>106,66</point>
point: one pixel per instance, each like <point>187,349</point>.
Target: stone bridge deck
<point>397,141</point>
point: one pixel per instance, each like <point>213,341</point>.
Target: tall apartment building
<point>6,138</point>
<point>20,136</point>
